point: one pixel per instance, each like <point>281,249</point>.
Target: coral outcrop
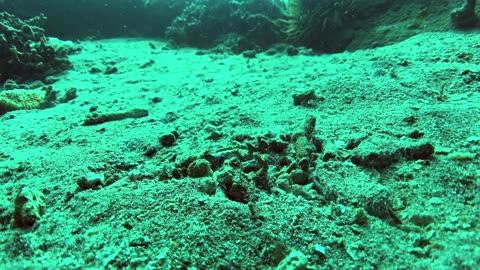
<point>325,24</point>
<point>26,54</point>
<point>206,23</point>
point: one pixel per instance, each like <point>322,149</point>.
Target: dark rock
<point>167,139</point>
<point>292,51</point>
<point>235,185</point>
<point>199,168</point>
<point>278,146</point>
<point>29,207</point>
<point>304,164</point>
<point>422,220</point>
<point>375,160</point>
<point>111,70</point>
<point>91,181</point>
<point>378,202</point>
<point>417,151</point>
<point>307,99</point>
<point>95,70</point>
<point>299,177</point>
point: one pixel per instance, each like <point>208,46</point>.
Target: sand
<point>111,196</point>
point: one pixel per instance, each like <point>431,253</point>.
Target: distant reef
<point>241,26</point>
<point>74,19</point>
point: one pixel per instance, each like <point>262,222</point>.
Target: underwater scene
<point>239,134</point>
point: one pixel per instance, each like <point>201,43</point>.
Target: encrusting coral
<point>20,99</point>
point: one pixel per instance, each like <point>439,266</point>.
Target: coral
<point>26,54</point>
<point>20,99</point>
<point>326,24</point>
<point>206,23</point>
<point>311,22</point>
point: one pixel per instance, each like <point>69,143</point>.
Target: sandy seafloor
<point>425,90</point>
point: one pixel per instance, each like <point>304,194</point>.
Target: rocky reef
<point>26,53</point>
<point>240,25</point>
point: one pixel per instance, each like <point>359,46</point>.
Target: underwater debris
<point>96,119</point>
<point>379,153</point>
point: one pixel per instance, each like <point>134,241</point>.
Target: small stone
<point>304,164</point>
<point>320,250</point>
<point>91,181</point>
<point>29,207</point>
<point>299,177</point>
<point>292,51</point>
<point>94,70</point>
<point>360,217</point>
<point>435,201</point>
<point>111,70</point>
<point>462,156</point>
<point>303,147</point>
<point>209,128</point>
<point>306,191</point>
<point>296,260</point>
<point>199,168</point>
<point>283,183</point>
<point>235,186</point>
<point>307,98</point>
<point>378,202</point>
<point>150,150</point>
<point>249,54</point>
<point>278,146</point>
<point>167,139</point>
<point>422,220</point>
<point>208,186</point>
